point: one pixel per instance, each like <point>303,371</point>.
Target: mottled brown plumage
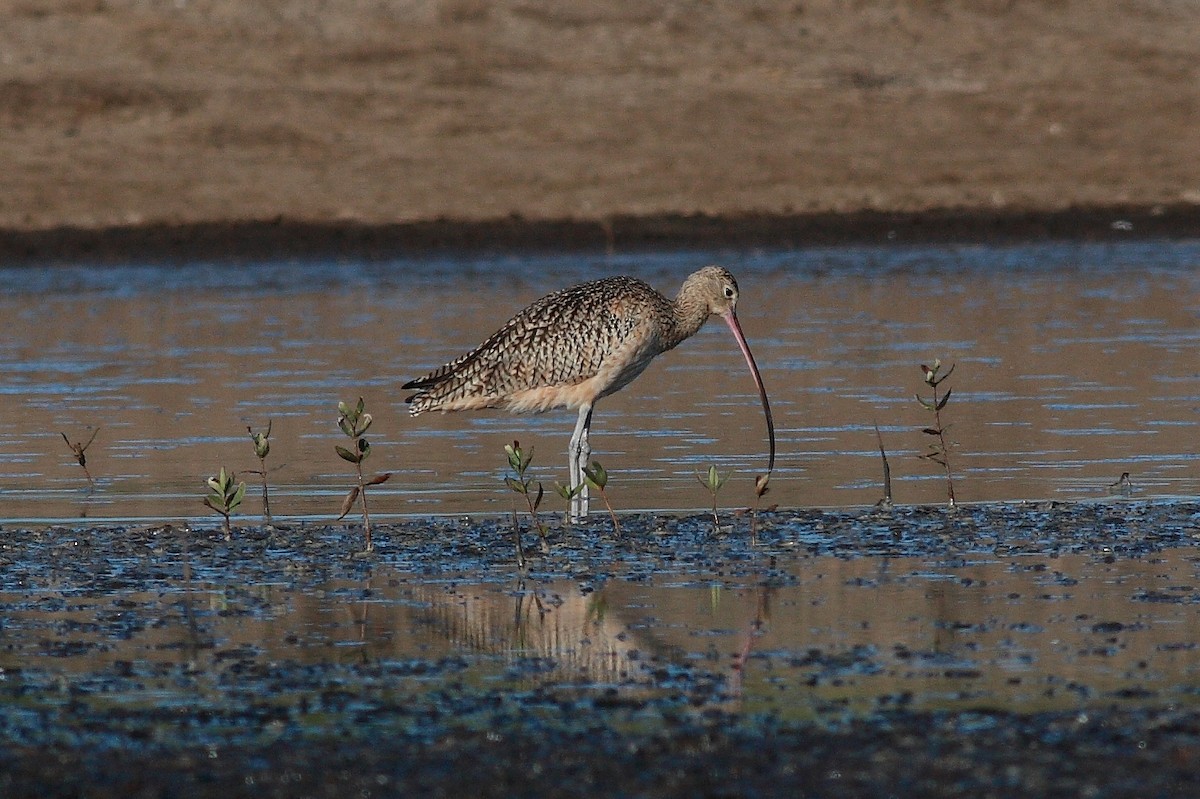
<point>572,347</point>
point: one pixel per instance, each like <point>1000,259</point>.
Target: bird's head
<point>716,288</point>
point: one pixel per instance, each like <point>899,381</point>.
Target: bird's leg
<point>580,451</point>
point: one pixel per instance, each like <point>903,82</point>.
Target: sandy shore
<point>130,124</point>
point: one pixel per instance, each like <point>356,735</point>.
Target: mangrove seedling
<point>1123,485</point>
<point>597,478</point>
<point>79,450</point>
<point>713,482</point>
<point>354,422</point>
<point>760,490</point>
<point>518,461</point>
<point>568,494</point>
<point>225,494</point>
<point>939,451</point>
<point>262,448</point>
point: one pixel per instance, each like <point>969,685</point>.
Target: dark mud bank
<point>281,239</point>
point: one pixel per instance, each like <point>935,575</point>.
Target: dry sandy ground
<point>368,112</point>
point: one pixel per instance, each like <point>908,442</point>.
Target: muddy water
<point>1074,363</point>
<point>796,636</point>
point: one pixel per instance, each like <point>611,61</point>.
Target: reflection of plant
<point>597,478</point>
<point>597,607</point>
<point>938,452</point>
<point>79,450</point>
<point>354,422</point>
<point>226,494</point>
<point>262,447</point>
<point>519,462</point>
<point>713,482</point>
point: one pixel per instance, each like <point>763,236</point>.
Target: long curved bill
<point>731,320</point>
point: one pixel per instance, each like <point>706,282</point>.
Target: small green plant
<point>226,494</point>
<point>568,494</point>
<point>518,461</point>
<point>597,478</point>
<point>79,450</point>
<point>939,451</point>
<point>713,481</point>
<point>262,448</point>
<point>760,490</point>
<point>354,422</point>
<point>1123,485</point>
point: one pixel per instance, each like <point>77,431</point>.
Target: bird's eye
<point>729,292</point>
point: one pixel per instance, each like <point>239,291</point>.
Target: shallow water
<point>798,636</point>
<point>1074,363</point>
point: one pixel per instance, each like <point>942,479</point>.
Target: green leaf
<point>238,496</point>
<point>715,479</point>
<point>515,485</point>
<point>347,455</point>
<point>364,422</point>
<point>942,404</point>
<point>262,447</point>
<point>346,426</point>
<point>926,404</point>
<point>537,502</point>
<point>596,477</point>
<point>567,492</point>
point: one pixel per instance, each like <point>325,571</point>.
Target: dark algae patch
<point>994,651</point>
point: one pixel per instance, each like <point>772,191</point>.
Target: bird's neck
<point>691,312</point>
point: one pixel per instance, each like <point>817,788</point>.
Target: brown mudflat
<point>201,121</point>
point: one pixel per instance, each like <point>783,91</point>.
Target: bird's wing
<point>560,340</point>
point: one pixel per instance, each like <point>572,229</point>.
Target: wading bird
<point>577,345</point>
